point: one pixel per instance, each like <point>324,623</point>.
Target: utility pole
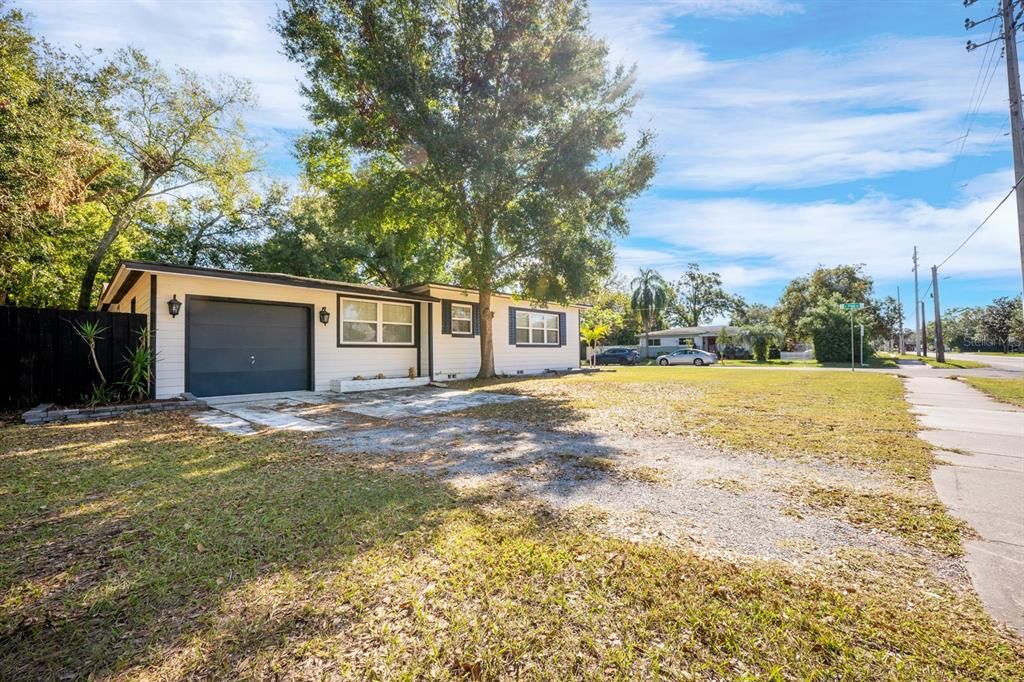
<point>917,318</point>
<point>1016,122</point>
<point>924,332</point>
<point>899,308</point>
<point>940,349</point>
<point>1009,37</point>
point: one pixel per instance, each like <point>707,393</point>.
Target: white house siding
<point>329,361</point>
<point>459,357</point>
<point>140,292</point>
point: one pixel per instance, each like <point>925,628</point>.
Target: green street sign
<point>852,306</point>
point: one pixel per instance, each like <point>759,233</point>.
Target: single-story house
<point>702,337</point>
<point>224,332</point>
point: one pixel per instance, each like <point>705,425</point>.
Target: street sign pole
<point>862,345</point>
<point>853,356</point>
<point>853,353</point>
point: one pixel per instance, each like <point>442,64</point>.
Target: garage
<point>235,347</point>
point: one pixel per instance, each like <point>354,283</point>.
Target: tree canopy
<point>700,297</point>
<point>505,113</point>
<point>170,132</point>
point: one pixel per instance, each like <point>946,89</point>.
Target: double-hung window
<point>462,319</point>
<point>376,322</point>
<point>536,329</point>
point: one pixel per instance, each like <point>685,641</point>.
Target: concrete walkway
<point>981,442</point>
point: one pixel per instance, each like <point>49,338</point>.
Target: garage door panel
<point>246,358</point>
<point>246,347</point>
<point>223,336</point>
<point>233,383</point>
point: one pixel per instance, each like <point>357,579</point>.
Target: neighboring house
<point>224,332</point>
<point>704,338</point>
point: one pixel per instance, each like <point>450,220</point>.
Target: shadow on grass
<point>120,539</point>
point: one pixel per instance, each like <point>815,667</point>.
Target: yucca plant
<point>138,373</point>
<point>91,332</point>
<point>101,395</point>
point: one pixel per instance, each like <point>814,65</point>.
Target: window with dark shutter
<point>461,320</point>
<point>536,328</point>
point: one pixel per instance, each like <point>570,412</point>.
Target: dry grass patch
<point>923,522</point>
<point>856,419</point>
<point>859,420</point>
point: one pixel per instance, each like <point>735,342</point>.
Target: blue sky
<point>791,133</point>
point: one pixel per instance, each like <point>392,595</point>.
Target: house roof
<point>426,286</point>
<point>133,269</point>
<point>696,331</point>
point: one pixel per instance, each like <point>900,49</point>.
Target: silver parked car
<point>688,356</point>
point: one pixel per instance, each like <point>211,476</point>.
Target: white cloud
<point>227,36</point>
<point>783,240</point>
<point>800,117</point>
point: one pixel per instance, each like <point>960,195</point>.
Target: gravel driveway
<point>665,488</point>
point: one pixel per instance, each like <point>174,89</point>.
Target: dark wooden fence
<point>43,359</point>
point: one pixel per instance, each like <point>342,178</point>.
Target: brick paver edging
<point>47,412</point>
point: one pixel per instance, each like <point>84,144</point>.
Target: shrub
<point>760,336</point>
<point>138,373</point>
<point>828,327</point>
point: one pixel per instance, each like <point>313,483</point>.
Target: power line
<point>973,112</point>
<point>982,223</point>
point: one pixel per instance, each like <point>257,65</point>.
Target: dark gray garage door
<point>235,347</point>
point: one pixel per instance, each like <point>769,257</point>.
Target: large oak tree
<point>505,110</point>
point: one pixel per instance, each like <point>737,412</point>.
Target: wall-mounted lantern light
<point>325,316</point>
<point>174,306</point>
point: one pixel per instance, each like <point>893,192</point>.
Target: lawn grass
<point>1004,390</point>
<point>997,354</point>
<point>948,364</point>
<point>923,522</point>
<point>856,419</point>
<point>153,548</point>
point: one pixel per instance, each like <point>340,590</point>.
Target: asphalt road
<point>1006,363</point>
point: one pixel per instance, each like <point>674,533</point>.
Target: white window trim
<point>453,320</point>
<point>379,323</point>
<point>529,328</point>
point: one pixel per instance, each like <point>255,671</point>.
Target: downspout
<point>430,339</point>
<point>152,336</point>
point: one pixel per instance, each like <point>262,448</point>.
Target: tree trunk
<point>486,334</point>
<point>89,278</point>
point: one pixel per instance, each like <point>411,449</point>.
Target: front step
<point>356,385</point>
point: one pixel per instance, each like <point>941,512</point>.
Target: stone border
<point>357,385</point>
<point>47,413</point>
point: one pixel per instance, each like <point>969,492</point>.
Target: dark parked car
<point>617,356</point>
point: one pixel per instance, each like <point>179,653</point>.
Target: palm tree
<point>650,295</point>
<point>760,336</point>
<point>591,334</point>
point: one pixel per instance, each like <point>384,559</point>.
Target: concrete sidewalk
<point>981,442</point>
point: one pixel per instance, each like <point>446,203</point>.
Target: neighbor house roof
<point>128,272</point>
<point>703,330</point>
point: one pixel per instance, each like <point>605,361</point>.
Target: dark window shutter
<point>511,326</point>
<point>561,329</point>
<point>476,319</point>
<point>446,317</point>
